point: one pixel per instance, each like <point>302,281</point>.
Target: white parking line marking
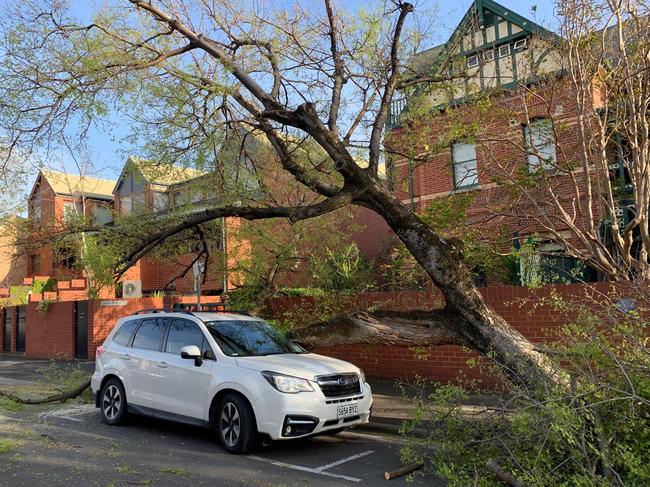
<point>303,469</point>
<point>345,460</point>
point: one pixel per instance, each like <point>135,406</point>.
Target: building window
<point>504,50</point>
<point>540,144</point>
<point>464,164</point>
<point>180,198</point>
<point>102,215</point>
<point>160,202</point>
<point>520,45</point>
<point>72,210</point>
<point>36,206</point>
<point>126,205</point>
<point>63,257</point>
<point>488,55</point>
<point>472,61</point>
<point>35,263</point>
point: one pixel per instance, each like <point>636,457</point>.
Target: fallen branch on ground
<point>402,471</point>
<point>55,398</point>
<point>494,467</point>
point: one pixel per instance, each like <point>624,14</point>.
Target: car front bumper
<point>275,410</point>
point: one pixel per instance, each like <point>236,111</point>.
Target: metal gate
<point>6,330</point>
<point>20,335</point>
<point>81,329</point>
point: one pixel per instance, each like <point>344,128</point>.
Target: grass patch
<point>7,444</point>
<point>124,469</point>
<point>9,404</point>
<point>173,470</point>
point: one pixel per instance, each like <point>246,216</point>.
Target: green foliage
<point>9,404</point>
<point>343,268</point>
<point>44,305</point>
<point>42,286</point>
<point>301,291</point>
<point>593,430</point>
<point>62,376</point>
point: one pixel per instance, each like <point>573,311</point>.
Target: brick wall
<point>522,307</point>
<point>51,333</point>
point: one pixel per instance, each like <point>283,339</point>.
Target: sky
<point>107,157</point>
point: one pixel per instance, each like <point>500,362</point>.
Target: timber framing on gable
<point>491,48</point>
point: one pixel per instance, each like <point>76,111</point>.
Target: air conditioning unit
<point>132,289</point>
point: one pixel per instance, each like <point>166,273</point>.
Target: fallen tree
<point>63,396</point>
<point>193,74</point>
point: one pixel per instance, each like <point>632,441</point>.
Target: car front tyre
<point>236,425</point>
<point>112,403</point>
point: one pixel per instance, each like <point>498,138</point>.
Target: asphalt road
<point>68,445</point>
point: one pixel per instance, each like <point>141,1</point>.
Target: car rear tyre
<point>112,403</point>
<point>236,425</point>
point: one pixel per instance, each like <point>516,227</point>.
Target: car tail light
<point>100,350</point>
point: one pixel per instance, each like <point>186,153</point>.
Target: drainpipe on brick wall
<point>224,243</point>
<point>411,189</point>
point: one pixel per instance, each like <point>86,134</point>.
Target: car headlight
<point>362,375</point>
<point>287,383</point>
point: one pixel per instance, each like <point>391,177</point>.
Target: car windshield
<point>250,339</point>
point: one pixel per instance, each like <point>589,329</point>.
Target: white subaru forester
<point>228,371</point>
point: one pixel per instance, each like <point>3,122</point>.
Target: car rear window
<point>150,334</point>
<point>123,334</point>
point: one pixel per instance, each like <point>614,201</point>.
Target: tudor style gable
<point>491,48</point>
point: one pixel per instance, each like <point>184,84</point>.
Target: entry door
<point>20,335</point>
<point>81,329</point>
<point>6,331</point>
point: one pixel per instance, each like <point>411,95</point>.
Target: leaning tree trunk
<point>465,320</point>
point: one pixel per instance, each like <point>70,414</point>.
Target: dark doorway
<point>81,329</point>
<point>6,330</point>
<point>20,335</point>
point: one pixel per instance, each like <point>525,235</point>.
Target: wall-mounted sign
<point>113,303</point>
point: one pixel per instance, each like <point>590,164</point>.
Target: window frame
<point>454,163</point>
<point>520,44</point>
<point>471,64</point>
<point>489,58</point>
<point>541,164</point>
<point>501,54</point>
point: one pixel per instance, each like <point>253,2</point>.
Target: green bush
<point>593,430</point>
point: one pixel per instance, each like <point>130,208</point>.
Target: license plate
<point>347,410</point>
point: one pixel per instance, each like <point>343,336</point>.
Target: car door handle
<point>162,365</point>
<point>126,356</point>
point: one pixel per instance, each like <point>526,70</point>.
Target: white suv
<point>228,371</point>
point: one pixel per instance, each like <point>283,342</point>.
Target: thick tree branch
<point>410,328</point>
<point>389,90</point>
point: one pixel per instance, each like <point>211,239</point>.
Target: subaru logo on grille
<point>341,381</point>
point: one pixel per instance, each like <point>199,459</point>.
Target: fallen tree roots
<point>55,398</point>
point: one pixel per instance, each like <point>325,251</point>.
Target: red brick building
<point>500,134</point>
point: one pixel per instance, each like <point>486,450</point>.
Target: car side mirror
<point>192,352</point>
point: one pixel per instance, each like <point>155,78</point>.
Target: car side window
<point>125,332</point>
<point>182,333</point>
<point>150,334</point>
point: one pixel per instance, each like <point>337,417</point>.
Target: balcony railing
<point>397,107</point>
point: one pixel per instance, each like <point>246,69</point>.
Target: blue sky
<point>106,155</point>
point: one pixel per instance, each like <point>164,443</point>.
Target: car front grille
<point>339,385</point>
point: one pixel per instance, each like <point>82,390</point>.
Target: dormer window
<point>521,44</point>
<point>504,50</point>
<point>472,61</point>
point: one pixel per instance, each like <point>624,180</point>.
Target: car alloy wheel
<point>112,402</point>
<point>230,424</point>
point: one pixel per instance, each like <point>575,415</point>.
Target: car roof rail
<point>212,307</point>
<point>163,310</point>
